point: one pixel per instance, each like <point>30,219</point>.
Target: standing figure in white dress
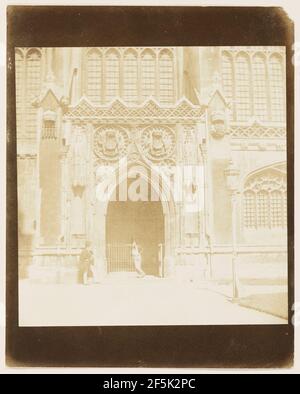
<point>137,260</point>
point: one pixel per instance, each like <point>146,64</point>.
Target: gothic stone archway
<point>165,209</point>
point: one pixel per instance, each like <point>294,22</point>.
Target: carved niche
<point>190,145</point>
<point>218,124</point>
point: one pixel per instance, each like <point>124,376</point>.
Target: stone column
<point>50,180</point>
<point>38,240</point>
<point>64,194</point>
<point>76,73</point>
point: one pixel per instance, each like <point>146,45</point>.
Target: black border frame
<point>157,346</point>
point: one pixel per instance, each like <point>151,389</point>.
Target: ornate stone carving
<point>189,145</point>
<point>218,124</point>
<point>246,145</point>
<point>158,143</point>
<point>150,110</point>
<point>268,181</point>
<point>64,102</point>
<point>265,199</point>
<point>49,116</point>
<point>110,143</point>
<point>257,131</point>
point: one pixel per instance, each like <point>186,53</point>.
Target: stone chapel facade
<point>221,109</point>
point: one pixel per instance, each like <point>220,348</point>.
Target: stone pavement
<point>131,301</point>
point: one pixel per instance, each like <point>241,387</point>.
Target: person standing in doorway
<point>86,263</point>
<point>137,260</point>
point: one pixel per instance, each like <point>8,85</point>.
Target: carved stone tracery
<point>266,182</point>
<point>122,112</point>
<point>189,145</point>
<point>265,200</point>
<point>257,131</point>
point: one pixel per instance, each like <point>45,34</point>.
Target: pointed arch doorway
<point>152,223</point>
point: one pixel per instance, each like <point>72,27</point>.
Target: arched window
<point>228,79</point>
<point>112,72</point>
<point>33,87</point>
<point>260,96</point>
<point>243,82</point>
<point>276,206</point>
<point>276,88</point>
<point>147,74</point>
<point>130,84</point>
<point>94,76</point>
<point>265,200</point>
<point>262,199</point>
<point>166,77</point>
<point>19,62</point>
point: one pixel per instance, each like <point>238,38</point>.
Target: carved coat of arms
<point>110,144</point>
<point>158,143</point>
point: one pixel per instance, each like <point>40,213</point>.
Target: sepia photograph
<point>151,185</point>
<point>150,192</point>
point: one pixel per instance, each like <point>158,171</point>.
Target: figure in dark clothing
<point>86,263</point>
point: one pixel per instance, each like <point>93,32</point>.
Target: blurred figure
<point>86,263</point>
<point>137,260</point>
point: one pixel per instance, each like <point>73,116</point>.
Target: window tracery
<point>265,201</point>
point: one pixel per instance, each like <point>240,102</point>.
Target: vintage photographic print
<point>152,185</point>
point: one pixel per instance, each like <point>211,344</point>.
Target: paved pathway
<point>148,301</point>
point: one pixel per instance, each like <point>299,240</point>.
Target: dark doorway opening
<point>140,221</point>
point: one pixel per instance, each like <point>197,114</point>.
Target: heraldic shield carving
<point>110,144</point>
<point>158,143</point>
